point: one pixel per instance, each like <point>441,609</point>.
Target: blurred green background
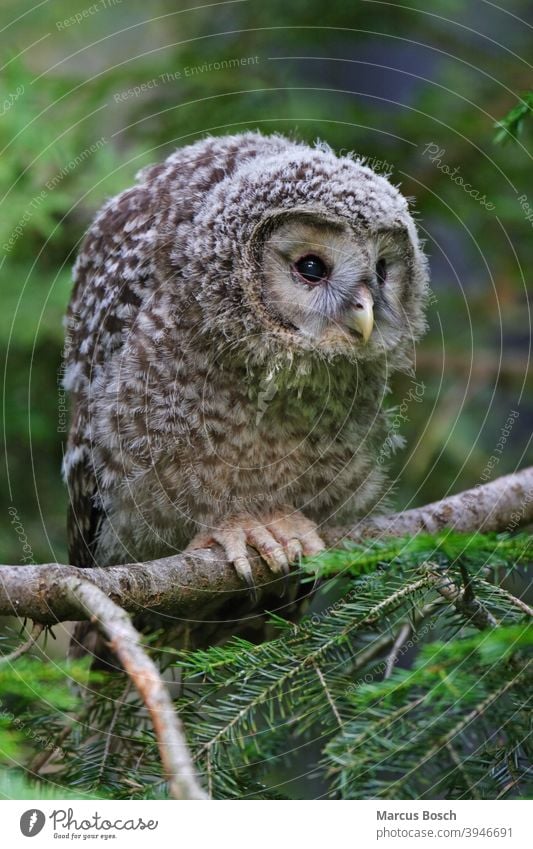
<point>385,80</point>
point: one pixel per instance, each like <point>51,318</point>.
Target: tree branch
<point>194,583</point>
<point>115,625</point>
<point>501,505</point>
<point>189,584</point>
<point>464,602</point>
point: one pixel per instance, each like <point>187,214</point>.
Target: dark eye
<point>311,268</point>
<point>381,270</point>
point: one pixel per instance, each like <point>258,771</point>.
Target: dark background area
<point>381,79</point>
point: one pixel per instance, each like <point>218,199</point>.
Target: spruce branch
<point>35,633</point>
<point>373,730</point>
<point>463,723</point>
<point>516,602</point>
<point>462,769</point>
<point>197,583</point>
<point>463,600</point>
<point>395,746</point>
<point>267,688</point>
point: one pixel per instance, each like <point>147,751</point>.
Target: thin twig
<point>329,697</point>
<point>379,645</point>
<point>517,602</point>
<point>403,634</point>
<point>509,786</point>
<point>464,602</point>
<point>36,632</point>
<point>125,642</point>
<point>209,770</point>
<point>373,650</point>
<point>460,766</point>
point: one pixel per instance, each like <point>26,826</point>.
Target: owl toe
<point>298,535</point>
<point>280,543</point>
<point>269,548</point>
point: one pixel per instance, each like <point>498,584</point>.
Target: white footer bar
<point>268,825</point>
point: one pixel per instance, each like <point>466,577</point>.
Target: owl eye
<point>381,270</point>
<point>311,268</point>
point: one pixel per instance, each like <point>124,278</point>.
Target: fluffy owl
<point>235,318</point>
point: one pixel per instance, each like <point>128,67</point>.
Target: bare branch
<point>193,585</point>
<point>403,634</point>
<point>501,505</point>
<point>36,632</point>
<point>125,642</point>
<point>518,602</point>
<point>329,697</point>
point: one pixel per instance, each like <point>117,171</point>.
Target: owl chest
<point>274,436</point>
<point>223,438</point>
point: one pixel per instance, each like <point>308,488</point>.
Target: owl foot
<point>280,541</point>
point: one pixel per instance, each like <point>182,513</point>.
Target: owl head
<point>308,252</point>
<point>337,286</point>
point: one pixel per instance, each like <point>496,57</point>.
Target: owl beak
<point>361,316</point>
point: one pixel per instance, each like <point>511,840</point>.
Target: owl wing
<point>112,275</point>
<point>115,272</point>
<point>84,517</point>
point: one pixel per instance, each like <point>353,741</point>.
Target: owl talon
<point>294,551</point>
<point>281,542</point>
<point>244,571</point>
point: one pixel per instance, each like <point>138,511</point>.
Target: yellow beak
<point>361,316</point>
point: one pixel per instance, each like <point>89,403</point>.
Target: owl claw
<point>244,570</point>
<point>281,542</point>
<point>294,551</point>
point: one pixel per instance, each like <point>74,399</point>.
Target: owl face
<point>337,286</point>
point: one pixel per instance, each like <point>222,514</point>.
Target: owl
<point>235,319</point>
